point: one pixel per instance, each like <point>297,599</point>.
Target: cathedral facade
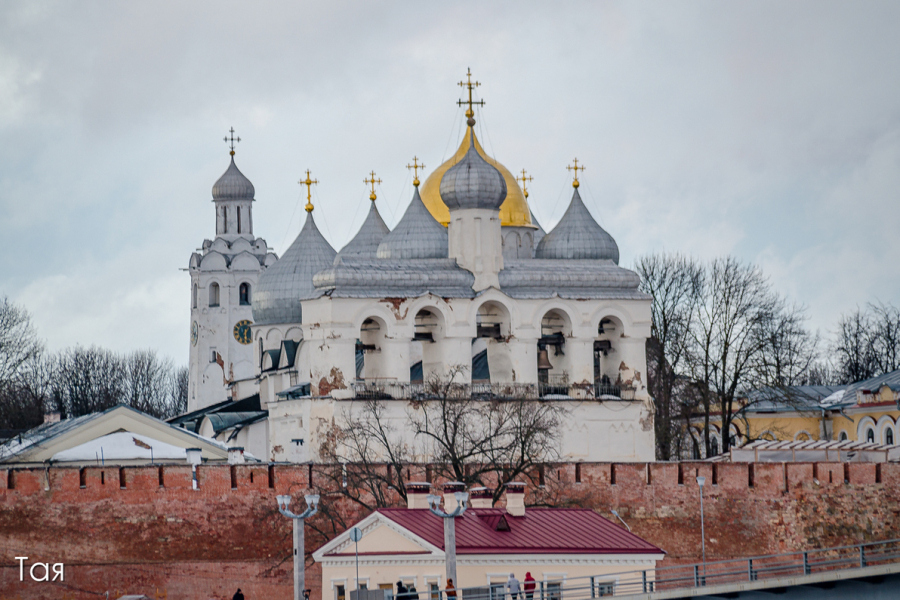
<point>467,286</point>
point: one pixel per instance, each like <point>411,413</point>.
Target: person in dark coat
<point>411,592</point>
<point>238,595</point>
<point>401,591</point>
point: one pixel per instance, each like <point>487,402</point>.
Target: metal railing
<point>386,389</point>
<point>738,570</point>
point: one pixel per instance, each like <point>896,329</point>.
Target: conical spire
<point>284,284</point>
<point>233,185</point>
<point>365,243</point>
<point>578,236</point>
<point>540,233</point>
<point>473,182</point>
<point>417,235</point>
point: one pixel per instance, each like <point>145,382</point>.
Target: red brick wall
<point>170,541</point>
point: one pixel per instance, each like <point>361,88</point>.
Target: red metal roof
<point>540,531</point>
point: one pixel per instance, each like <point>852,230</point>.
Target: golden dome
<point>513,212</point>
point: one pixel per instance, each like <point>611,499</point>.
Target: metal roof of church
<point>283,285</point>
<point>417,235</point>
<point>578,236</point>
<point>365,243</point>
<point>473,182</point>
<point>539,531</point>
<point>233,185</point>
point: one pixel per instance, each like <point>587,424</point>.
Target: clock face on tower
<point>242,332</point>
<point>195,333</point>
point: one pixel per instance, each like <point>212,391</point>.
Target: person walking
<point>512,586</point>
<point>528,587</point>
<point>238,595</point>
<point>450,591</point>
<point>401,591</point>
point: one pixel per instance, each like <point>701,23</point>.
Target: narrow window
<point>212,355</point>
<point>750,475</point>
<point>239,218</point>
<point>122,478</point>
<point>245,294</point>
<point>878,473</point>
<point>194,296</point>
<point>649,475</point>
<point>846,472</point>
<point>233,477</point>
<point>272,477</point>
<point>428,473</point>
<point>213,294</point>
<point>224,219</point>
<point>102,477</point>
<point>541,481</point>
<point>10,480</point>
<point>870,436</point>
<point>889,437</point>
<point>161,475</point>
<point>82,478</point>
<point>577,472</point>
<point>715,473</point>
<point>680,474</point>
<point>251,477</point>
<point>612,474</point>
<point>309,475</point>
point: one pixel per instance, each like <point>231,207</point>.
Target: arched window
<point>194,297</point>
<point>214,294</point>
<point>239,218</point>
<point>714,446</point>
<point>245,292</point>
<point>889,437</point>
<point>224,219</point>
<point>843,436</point>
<point>870,436</point>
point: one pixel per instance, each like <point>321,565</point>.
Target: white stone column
<point>580,355</point>
<point>633,365</point>
<point>523,356</point>
<point>476,244</point>
<point>456,351</point>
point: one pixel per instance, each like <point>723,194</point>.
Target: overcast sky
<point>767,130</point>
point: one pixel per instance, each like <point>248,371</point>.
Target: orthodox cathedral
<point>467,285</point>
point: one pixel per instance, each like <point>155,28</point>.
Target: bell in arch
<point>544,361</point>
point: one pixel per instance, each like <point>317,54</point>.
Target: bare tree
<point>22,369</point>
<point>88,380</point>
<point>787,350</point>
<point>885,337</point>
<point>735,301</point>
<point>853,351</point>
<point>180,384</point>
<point>673,283</point>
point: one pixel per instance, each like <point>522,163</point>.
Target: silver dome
<point>283,285</point>
<point>417,235</point>
<point>232,185</point>
<point>473,183</point>
<point>578,236</point>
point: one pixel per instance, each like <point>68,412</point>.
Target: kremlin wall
<point>144,530</point>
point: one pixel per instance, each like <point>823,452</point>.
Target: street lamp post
<point>462,499</point>
<point>700,481</point>
<point>312,506</point>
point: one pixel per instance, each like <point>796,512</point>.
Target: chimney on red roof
<point>417,494</point>
<point>480,497</point>
<point>450,488</point>
<point>515,498</point>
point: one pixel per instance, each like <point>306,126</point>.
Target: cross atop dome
<point>373,181</point>
<point>576,168</point>
<point>415,167</point>
<point>524,179</point>
<point>231,140</point>
<point>470,114</point>
<point>308,183</point>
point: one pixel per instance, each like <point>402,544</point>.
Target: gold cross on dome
<point>471,85</point>
<point>576,168</point>
<point>308,183</point>
<point>415,167</point>
<point>373,181</point>
<point>231,141</point>
<point>525,179</point>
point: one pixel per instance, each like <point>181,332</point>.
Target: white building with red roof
<point>553,544</point>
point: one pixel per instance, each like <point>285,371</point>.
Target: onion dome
<point>578,236</point>
<point>365,243</point>
<point>232,185</point>
<point>417,235</point>
<point>514,209</point>
<point>473,183</point>
<point>283,285</point>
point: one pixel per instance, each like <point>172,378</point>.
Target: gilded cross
<point>576,168</point>
<point>525,179</point>
<point>231,141</point>
<point>471,85</point>
<point>308,183</point>
<point>415,167</point>
<point>373,181</point>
